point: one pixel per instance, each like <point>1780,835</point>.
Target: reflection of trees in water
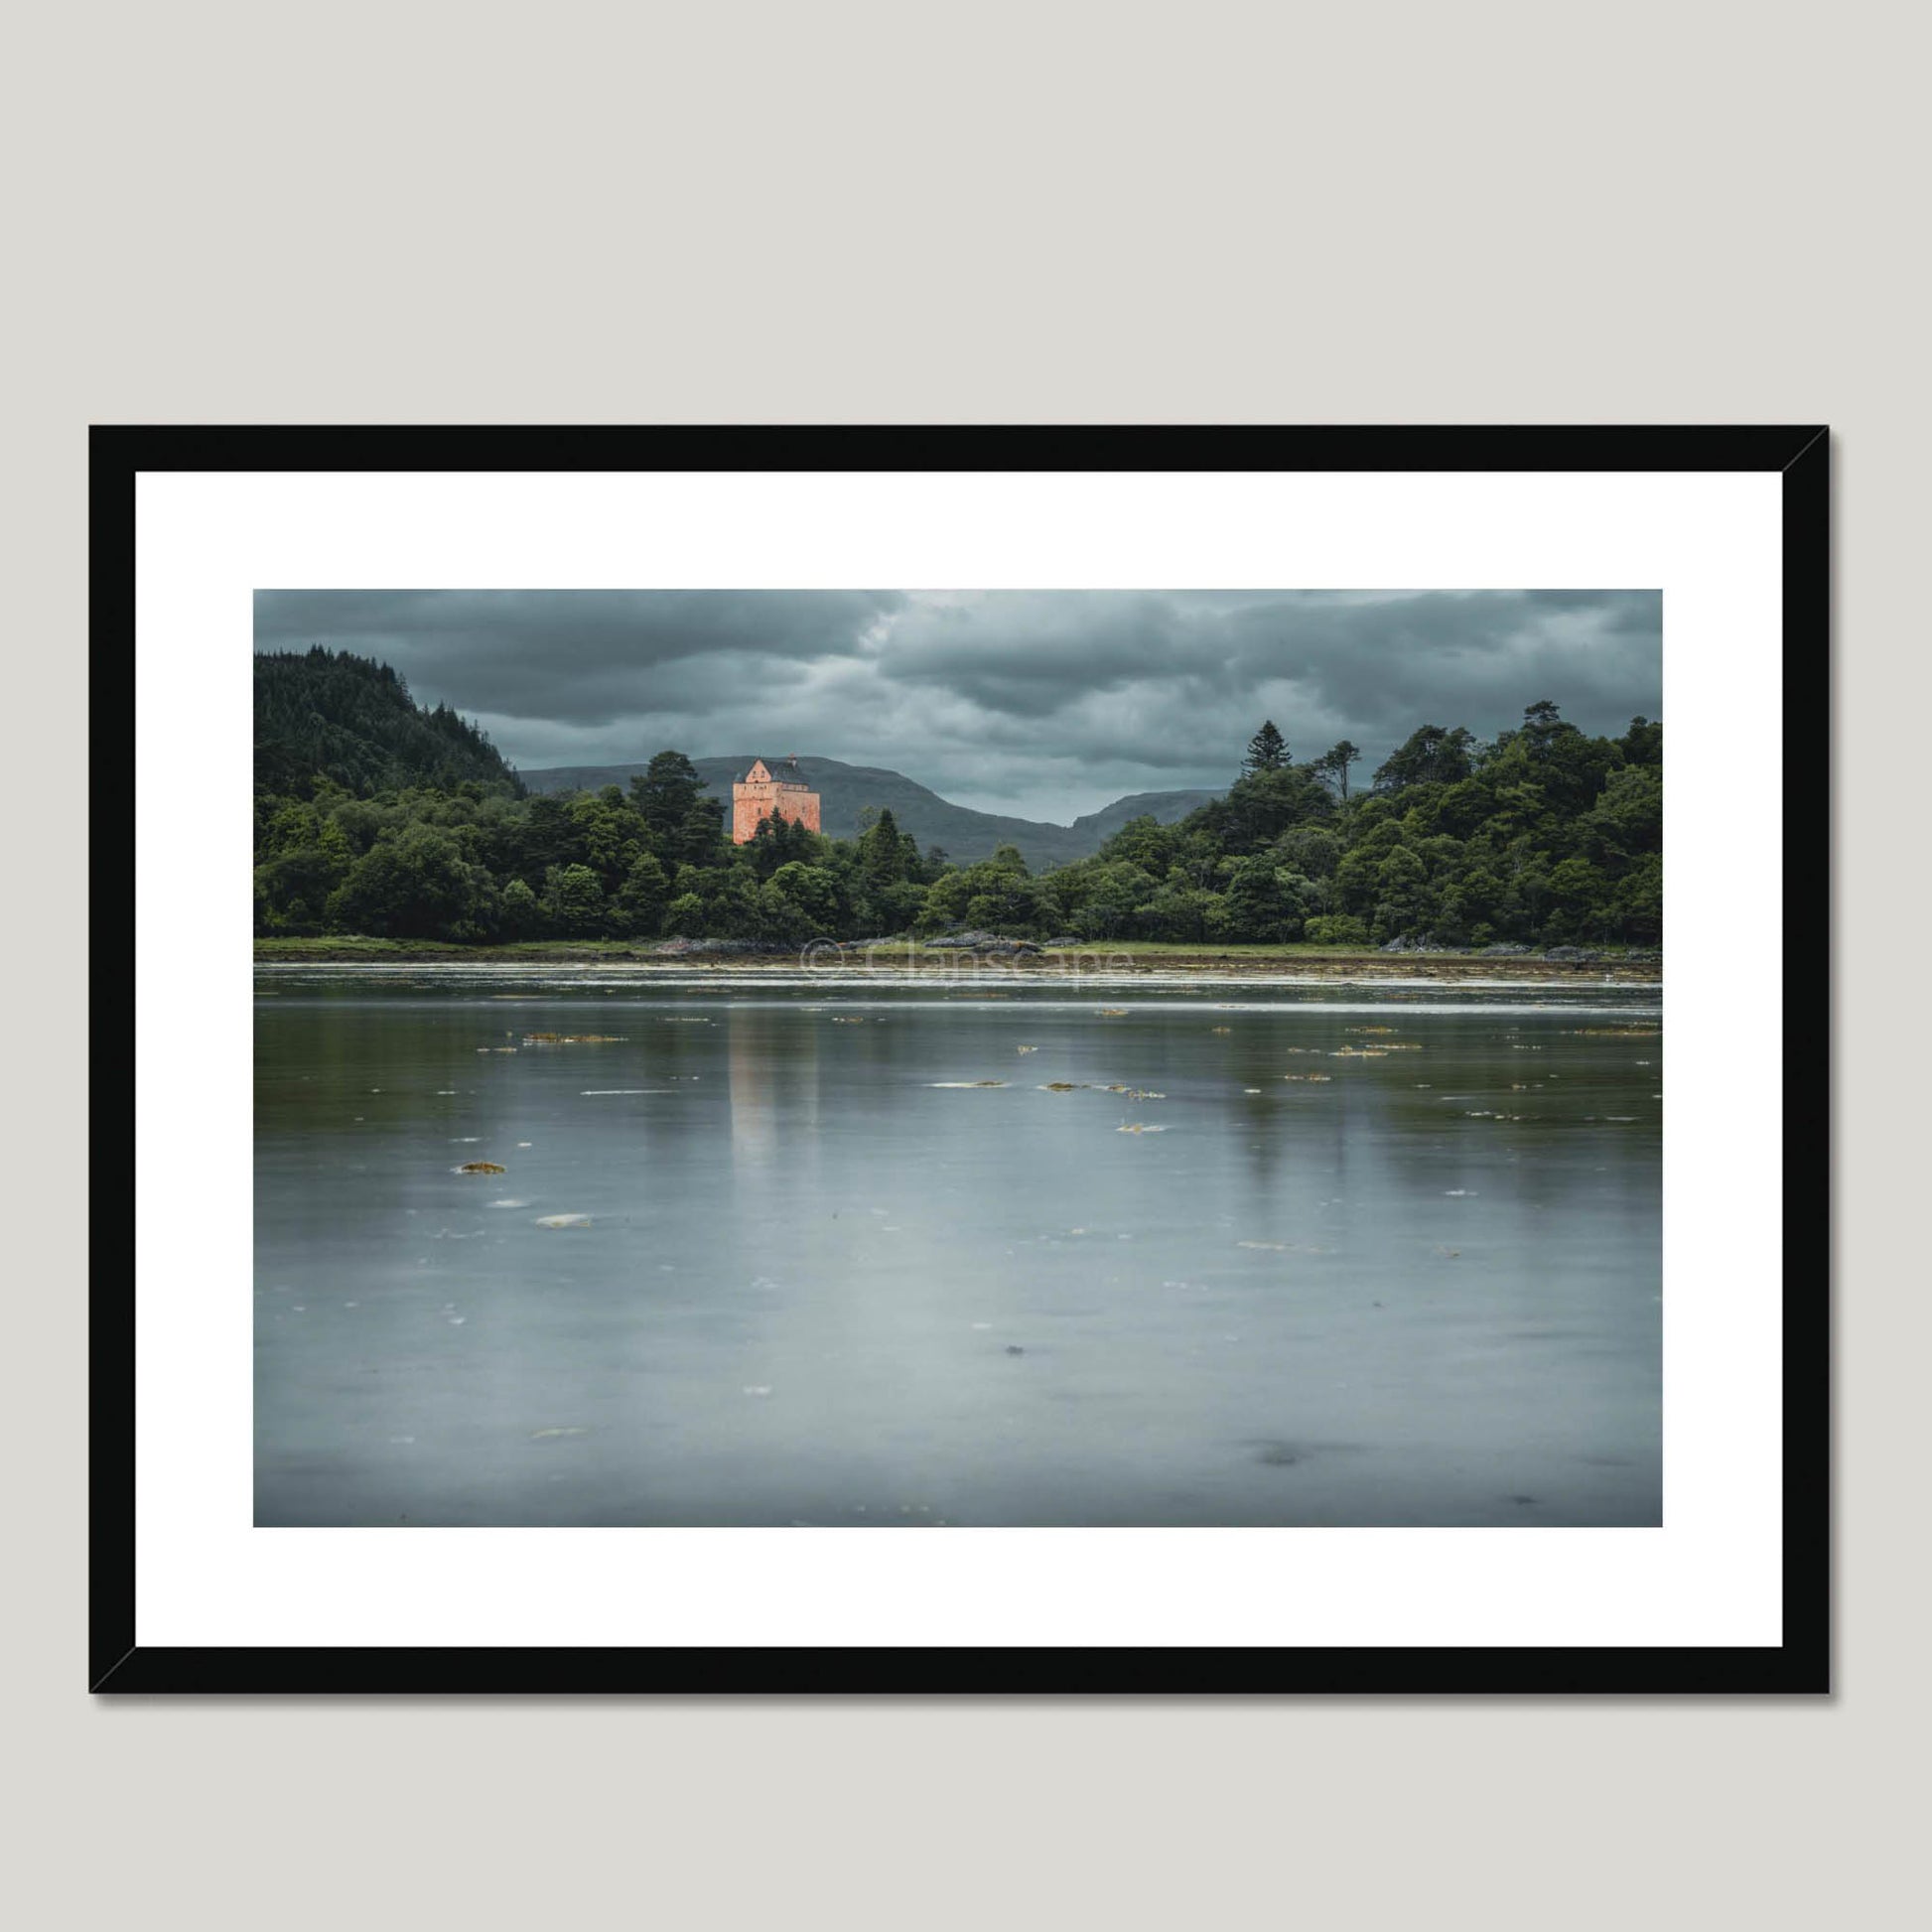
<point>1528,1106</point>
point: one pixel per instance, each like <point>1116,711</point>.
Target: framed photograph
<point>1091,1000</point>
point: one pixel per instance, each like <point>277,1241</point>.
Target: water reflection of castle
<point>771,1071</point>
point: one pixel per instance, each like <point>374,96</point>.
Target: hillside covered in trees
<point>324,715</point>
<point>375,817</point>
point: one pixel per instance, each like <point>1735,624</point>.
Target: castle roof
<point>784,771</point>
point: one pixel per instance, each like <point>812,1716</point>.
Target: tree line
<point>1544,835</point>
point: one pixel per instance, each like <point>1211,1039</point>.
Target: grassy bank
<point>353,947</point>
<point>1341,962</point>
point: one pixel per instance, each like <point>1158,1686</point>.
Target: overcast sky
<point>1041,703</point>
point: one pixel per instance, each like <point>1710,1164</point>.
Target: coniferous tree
<point>882,852</point>
<point>1267,750</point>
<point>665,797</point>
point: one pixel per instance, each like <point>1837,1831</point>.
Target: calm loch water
<point>768,1253</point>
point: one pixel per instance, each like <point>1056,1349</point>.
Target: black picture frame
<point>1801,1664</point>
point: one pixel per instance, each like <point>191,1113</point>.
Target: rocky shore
<point>987,951</point>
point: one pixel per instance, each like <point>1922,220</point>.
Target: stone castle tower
<point>772,786</point>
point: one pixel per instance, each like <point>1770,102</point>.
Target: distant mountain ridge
<point>845,790</point>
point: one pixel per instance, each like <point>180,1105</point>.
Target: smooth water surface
<point>816,1279</point>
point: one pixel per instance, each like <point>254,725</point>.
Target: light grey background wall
<point>989,212</point>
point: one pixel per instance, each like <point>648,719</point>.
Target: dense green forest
<point>322,715</point>
<point>375,816</point>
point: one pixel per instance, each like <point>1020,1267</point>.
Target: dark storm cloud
<point>1046,703</point>
<point>578,657</point>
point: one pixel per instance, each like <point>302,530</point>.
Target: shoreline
<point>915,965</point>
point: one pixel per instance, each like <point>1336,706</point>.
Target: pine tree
<point>1267,750</point>
<point>666,794</point>
<point>882,857</point>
